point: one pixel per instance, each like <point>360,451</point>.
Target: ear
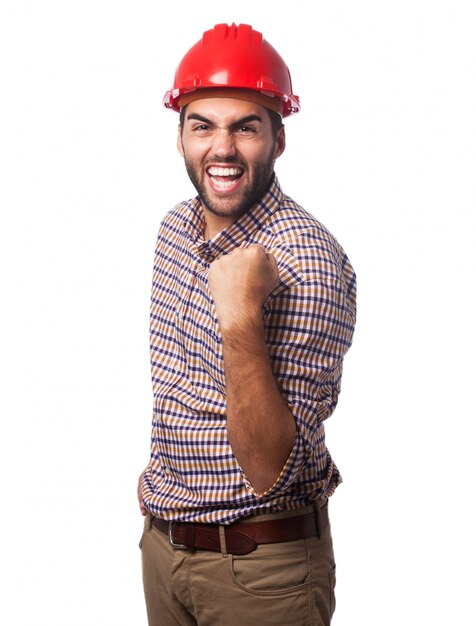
<point>280,143</point>
<point>179,140</point>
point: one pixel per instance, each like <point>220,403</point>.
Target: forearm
<point>261,427</point>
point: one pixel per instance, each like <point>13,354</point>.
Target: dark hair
<point>276,122</point>
<point>275,118</point>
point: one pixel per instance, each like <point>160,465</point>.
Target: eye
<point>201,128</point>
<point>246,130</point>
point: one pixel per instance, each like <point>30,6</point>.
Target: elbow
<point>269,465</point>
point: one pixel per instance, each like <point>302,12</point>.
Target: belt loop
<point>221,533</point>
<point>317,517</point>
<point>148,521</point>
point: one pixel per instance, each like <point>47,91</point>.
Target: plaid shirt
<point>309,320</point>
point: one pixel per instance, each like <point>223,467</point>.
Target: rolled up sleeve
<point>310,328</point>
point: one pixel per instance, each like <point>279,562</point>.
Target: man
<point>253,309</point>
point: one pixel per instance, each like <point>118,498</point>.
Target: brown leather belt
<point>243,537</point>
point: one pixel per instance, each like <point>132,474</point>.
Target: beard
<point>239,203</point>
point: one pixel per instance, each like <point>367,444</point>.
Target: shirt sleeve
<point>309,327</point>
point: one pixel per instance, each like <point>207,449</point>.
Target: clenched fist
<point>241,281</point>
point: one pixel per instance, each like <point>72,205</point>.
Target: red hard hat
<point>234,57</point>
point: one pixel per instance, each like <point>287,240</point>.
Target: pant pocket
<point>272,568</point>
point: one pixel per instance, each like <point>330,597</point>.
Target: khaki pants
<point>284,584</point>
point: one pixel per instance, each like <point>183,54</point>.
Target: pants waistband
<point>244,536</point>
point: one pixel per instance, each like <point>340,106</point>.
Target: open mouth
<point>224,178</point>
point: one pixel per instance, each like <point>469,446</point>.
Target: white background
<point>383,153</point>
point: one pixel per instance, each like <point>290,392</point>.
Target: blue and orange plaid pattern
<point>309,322</point>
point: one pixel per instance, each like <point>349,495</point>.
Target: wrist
<point>244,323</point>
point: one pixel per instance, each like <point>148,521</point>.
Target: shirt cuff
<point>291,470</point>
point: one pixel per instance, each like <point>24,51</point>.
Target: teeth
<point>224,171</point>
<point>223,184</point>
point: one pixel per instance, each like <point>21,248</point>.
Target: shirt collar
<point>239,232</point>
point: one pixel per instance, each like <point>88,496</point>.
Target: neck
<point>215,224</point>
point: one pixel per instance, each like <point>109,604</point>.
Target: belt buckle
<point>179,546</point>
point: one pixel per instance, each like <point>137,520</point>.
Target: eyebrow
<point>240,122</point>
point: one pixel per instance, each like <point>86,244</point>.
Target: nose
<point>223,143</point>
